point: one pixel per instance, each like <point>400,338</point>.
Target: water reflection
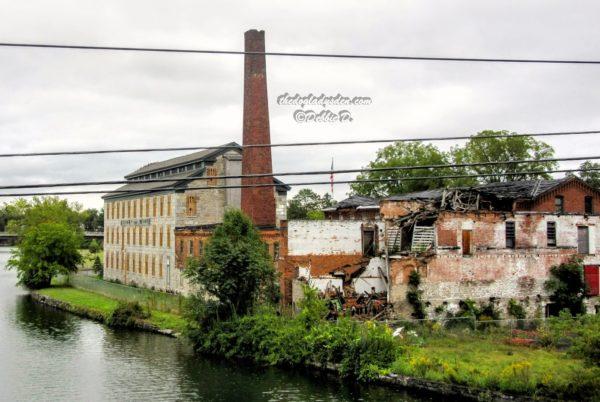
<point>50,355</point>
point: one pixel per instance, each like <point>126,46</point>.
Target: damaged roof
<point>519,189</point>
<point>354,201</point>
<point>426,195</point>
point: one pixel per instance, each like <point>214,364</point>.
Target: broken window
<point>368,242</point>
<point>559,204</point>
<point>589,206</point>
<point>510,235</point>
<point>422,238</point>
<point>551,234</point>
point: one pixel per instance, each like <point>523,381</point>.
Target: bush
<point>126,315</point>
<point>567,286</point>
<point>413,295</point>
<point>516,310</point>
<point>94,246</point>
<point>97,267</point>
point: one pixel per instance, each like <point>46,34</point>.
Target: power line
<point>300,173</point>
<point>299,183</point>
<point>295,144</point>
<point>295,54</point>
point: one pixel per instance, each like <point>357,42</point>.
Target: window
<point>466,242</point>
<point>276,251</point>
<point>589,204</point>
<point>154,236</point>
<point>191,249</point>
<point>200,248</point>
<point>153,206</point>
<point>583,240</point>
<point>160,238</point>
<point>211,171</point>
<point>168,235</point>
<point>551,234</point>
<point>191,205</point>
<point>169,205</point>
<point>368,242</point>
<point>181,247</point>
<point>510,235</point>
<point>559,204</point>
<point>162,205</point>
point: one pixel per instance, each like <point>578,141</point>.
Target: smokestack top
<point>254,40</point>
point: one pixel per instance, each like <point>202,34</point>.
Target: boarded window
<point>153,235</point>
<point>591,279</point>
<point>211,171</point>
<point>583,240</point>
<point>551,234</point>
<point>559,204</point>
<point>589,204</point>
<point>191,205</point>
<point>466,242</point>
<point>510,235</point>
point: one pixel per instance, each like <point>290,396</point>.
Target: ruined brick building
<point>491,241</point>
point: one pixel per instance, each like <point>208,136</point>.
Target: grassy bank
<point>104,306</point>
<point>471,361</point>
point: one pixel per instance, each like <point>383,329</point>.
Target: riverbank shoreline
<point>98,316</point>
<point>392,381</point>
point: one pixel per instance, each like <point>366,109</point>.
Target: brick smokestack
<point>257,202</point>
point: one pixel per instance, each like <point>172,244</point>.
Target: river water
<point>51,355</point>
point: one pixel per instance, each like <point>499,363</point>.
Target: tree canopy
<point>501,146</point>
<point>236,268</point>
<point>591,177</point>
<point>308,205</point>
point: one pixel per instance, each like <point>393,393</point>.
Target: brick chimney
<point>257,202</point>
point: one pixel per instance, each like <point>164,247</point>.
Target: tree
<point>46,250</point>
<point>236,268</point>
<point>591,177</point>
<point>504,148</point>
<point>97,267</point>
<point>403,154</point>
<point>93,220</point>
<point>308,205</point>
<point>94,246</point>
<point>43,210</point>
<point>567,286</point>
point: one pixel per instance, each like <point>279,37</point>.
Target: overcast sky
<point>69,100</point>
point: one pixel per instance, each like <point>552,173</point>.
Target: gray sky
<point>64,100</point>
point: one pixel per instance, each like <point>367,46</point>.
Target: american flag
<point>331,177</point>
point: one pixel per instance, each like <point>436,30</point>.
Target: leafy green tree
<point>44,210</point>
<point>503,148</point>
<point>591,177</point>
<point>11,212</point>
<point>97,267</point>
<point>403,154</point>
<point>92,219</point>
<point>94,246</point>
<point>236,268</point>
<point>308,205</point>
<point>567,286</point>
<point>45,250</point>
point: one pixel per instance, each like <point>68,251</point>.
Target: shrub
<point>94,246</point>
<point>413,295</point>
<point>516,310</point>
<point>125,315</point>
<point>312,308</point>
<point>97,267</point>
<point>567,286</point>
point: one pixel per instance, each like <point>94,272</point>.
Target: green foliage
<point>312,308</point>
<point>567,286</point>
<point>308,205</point>
<point>46,250</point>
<point>403,154</point>
<point>413,295</point>
<point>92,219</point>
<point>236,268</point>
<point>591,177</point>
<point>503,148</point>
<point>44,210</point>
<point>94,246</point>
<point>126,315</point>
<point>516,310</point>
<point>97,267</point>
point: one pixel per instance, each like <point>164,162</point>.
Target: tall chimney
<point>257,202</point>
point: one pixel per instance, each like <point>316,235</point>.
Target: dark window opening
<point>510,235</point>
<point>200,248</point>
<point>583,240</point>
<point>275,251</point>
<point>589,205</point>
<point>559,204</point>
<point>551,234</point>
<point>368,242</point>
<point>181,247</point>
<point>191,250</point>
<point>466,242</point>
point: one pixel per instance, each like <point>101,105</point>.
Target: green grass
<point>485,361</point>
<point>105,306</point>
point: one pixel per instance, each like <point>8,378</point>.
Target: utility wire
<point>295,54</point>
<point>298,183</point>
<point>295,144</point>
<point>301,173</point>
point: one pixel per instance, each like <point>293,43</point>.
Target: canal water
<point>51,355</point>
